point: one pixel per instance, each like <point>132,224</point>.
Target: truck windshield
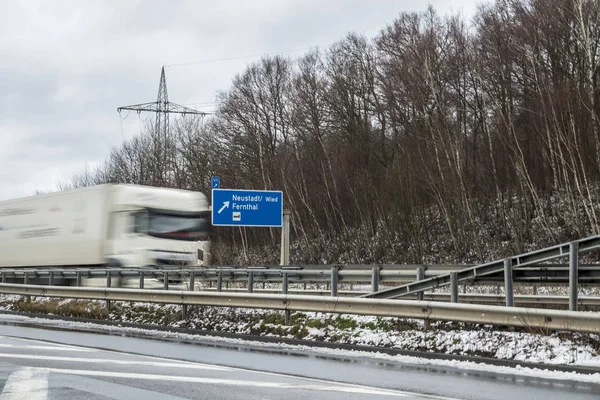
<point>178,226</point>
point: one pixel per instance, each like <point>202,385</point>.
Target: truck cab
<point>158,227</point>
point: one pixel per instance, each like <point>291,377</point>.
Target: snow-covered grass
<point>404,334</point>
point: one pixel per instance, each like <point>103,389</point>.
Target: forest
<point>440,140</point>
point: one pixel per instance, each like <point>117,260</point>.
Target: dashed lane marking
<point>172,364</point>
<point>39,347</point>
<point>45,343</point>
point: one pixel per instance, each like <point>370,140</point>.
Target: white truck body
<point>111,224</point>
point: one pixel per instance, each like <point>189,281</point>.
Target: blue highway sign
<point>216,182</point>
<point>231,207</point>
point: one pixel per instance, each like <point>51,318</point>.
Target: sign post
<point>255,208</point>
<point>285,239</point>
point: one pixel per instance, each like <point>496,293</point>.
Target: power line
<point>241,57</point>
<point>202,105</point>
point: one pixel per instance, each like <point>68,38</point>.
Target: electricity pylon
<point>162,107</point>
<point>161,160</point>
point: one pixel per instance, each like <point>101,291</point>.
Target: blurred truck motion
<point>111,225</point>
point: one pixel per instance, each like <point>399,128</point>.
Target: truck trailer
<point>109,225</point>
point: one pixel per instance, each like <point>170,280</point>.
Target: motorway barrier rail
<point>508,266</point>
<point>367,274</point>
<point>482,314</point>
<point>469,298</point>
<point>179,278</point>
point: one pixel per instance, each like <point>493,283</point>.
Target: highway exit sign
<point>232,207</point>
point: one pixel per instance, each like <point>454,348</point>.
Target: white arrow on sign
<point>225,205</point>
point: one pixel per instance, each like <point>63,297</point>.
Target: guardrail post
<point>375,280</point>
<point>508,283</point>
<point>50,278</point>
<point>420,277</point>
<point>192,280</point>
<point>284,290</point>
<point>141,279</point>
<point>166,281</point>
<point>334,281</point>
<point>220,281</point>
<point>108,284</point>
<point>184,307</point>
<point>573,275</point>
<point>250,281</point>
<point>3,277</point>
<point>454,287</point>
<point>26,281</point>
<point>78,279</point>
<point>284,283</point>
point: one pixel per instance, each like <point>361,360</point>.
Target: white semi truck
<point>114,225</point>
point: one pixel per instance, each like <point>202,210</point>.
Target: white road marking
<point>26,384</point>
<point>110,390</point>
<point>172,364</point>
<point>111,351</point>
<point>37,347</point>
<point>234,382</point>
<point>45,342</point>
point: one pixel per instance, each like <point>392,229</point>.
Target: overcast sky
<point>67,65</point>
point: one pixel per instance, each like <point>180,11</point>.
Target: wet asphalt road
<point>46,364</point>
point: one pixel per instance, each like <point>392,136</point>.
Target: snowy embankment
<point>403,334</point>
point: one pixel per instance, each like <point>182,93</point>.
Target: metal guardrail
<point>495,315</point>
<point>185,278</point>
<point>506,266</point>
<point>467,298</point>
<point>266,273</point>
<point>555,273</point>
<point>546,273</point>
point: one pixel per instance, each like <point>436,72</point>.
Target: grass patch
<point>70,308</point>
<point>343,323</point>
<point>144,314</point>
<point>275,319</point>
